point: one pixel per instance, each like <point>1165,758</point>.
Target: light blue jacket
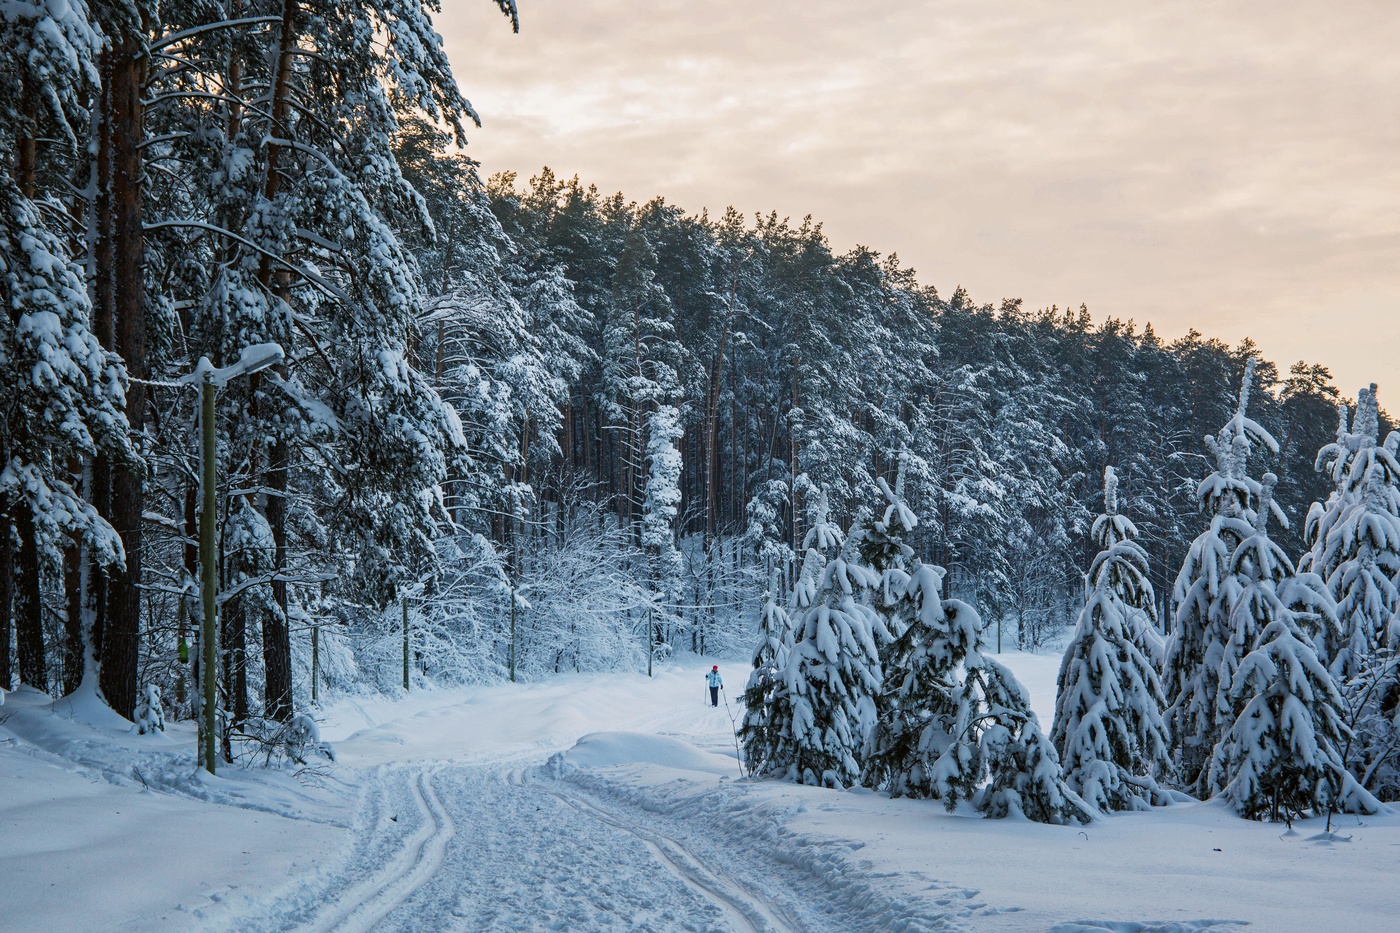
<point>712,678</point>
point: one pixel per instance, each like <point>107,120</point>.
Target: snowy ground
<point>605,803</point>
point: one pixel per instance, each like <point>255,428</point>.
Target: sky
<point>1232,166</point>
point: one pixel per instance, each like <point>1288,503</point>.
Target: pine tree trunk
<point>277,648</point>
<point>121,638</point>
<point>188,616</point>
<point>234,640</point>
<point>29,615</point>
<point>104,328</point>
<point>72,617</point>
<point>277,644</point>
<point>27,602</point>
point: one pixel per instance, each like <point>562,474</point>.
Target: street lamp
<point>209,378</point>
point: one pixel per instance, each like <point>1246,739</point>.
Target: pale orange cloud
<point>1226,165</point>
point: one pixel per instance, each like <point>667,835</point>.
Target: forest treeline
<point>520,426</point>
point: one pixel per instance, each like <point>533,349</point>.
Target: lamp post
<point>209,379</point>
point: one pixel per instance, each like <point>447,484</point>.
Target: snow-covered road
<point>603,802</point>
<point>494,847</point>
<point>510,835</point>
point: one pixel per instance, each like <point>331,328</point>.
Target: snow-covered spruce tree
<point>1355,537</point>
<point>824,707</point>
<point>1355,546</point>
<point>764,532</point>
<point>769,660</point>
<point>882,548</point>
<point>951,723</point>
<point>63,393</point>
<point>1281,757</point>
<point>1206,592</point>
<point>1108,729</point>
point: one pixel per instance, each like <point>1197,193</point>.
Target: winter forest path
<point>460,827</point>
<point>466,823</point>
<point>492,848</point>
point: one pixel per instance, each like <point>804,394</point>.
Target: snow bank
<point>106,828</point>
<point>615,749</point>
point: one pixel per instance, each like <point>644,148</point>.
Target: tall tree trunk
<point>121,638</point>
<point>713,474</point>
<point>99,474</point>
<point>277,647</point>
<point>72,617</point>
<point>191,600</point>
<point>234,639</point>
<point>29,617</point>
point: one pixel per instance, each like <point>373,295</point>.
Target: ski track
<point>363,905</point>
<point>747,912</point>
<point>506,846</point>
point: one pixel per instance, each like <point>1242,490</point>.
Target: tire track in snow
<point>747,912</point>
<point>360,907</point>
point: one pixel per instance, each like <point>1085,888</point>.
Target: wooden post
<point>315,659</point>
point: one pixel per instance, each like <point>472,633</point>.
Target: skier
<point>713,679</point>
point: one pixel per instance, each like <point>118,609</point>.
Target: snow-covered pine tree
<point>663,496</point>
<point>292,229</point>
<point>1108,729</point>
<point>951,723</point>
<point>1355,537</point>
<point>825,707</point>
<point>1347,654</point>
<point>769,660</point>
<point>64,392</point>
<point>1355,547</point>
<point>882,548</point>
<point>1281,756</point>
<point>767,718</point>
<point>639,363</point>
<point>1206,592</point>
<point>765,532</point>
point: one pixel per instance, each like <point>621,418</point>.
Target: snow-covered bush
<point>302,737</point>
<point>265,741</point>
<point>150,717</point>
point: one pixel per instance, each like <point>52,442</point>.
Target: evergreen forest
<point>520,426</point>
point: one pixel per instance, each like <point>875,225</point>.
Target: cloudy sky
<point>1232,166</point>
